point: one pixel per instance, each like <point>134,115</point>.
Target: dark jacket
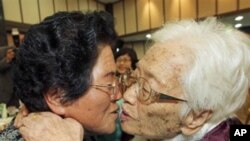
<point>222,131</point>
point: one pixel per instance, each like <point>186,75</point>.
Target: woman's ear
<point>194,121</point>
<point>53,98</point>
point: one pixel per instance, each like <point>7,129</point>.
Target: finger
<point>25,132</point>
<point>50,115</point>
<point>73,123</point>
<point>78,128</point>
<point>18,120</point>
<point>71,120</point>
<point>45,118</point>
<point>23,112</point>
<point>31,120</point>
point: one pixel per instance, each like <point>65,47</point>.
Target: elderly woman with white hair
<point>189,84</point>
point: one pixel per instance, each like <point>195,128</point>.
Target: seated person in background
<point>61,67</point>
<point>187,87</point>
<point>7,56</point>
<point>125,60</point>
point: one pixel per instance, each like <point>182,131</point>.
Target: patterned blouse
<point>10,133</point>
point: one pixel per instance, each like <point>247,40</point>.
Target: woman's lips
<point>124,115</point>
<point>114,112</point>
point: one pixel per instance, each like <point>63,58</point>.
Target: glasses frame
<point>154,96</point>
<point>113,85</point>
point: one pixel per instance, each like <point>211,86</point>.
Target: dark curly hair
<point>60,52</point>
<point>130,52</point>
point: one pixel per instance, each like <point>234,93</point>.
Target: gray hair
<point>217,76</point>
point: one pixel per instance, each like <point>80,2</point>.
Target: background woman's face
<point>123,63</point>
<point>95,110</point>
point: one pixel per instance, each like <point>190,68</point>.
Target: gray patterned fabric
<point>10,134</point>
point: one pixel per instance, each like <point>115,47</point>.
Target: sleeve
<point>4,65</point>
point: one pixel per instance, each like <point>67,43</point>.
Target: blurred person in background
<point>7,57</point>
<point>125,59</point>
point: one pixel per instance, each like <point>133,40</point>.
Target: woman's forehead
<point>105,58</point>
<point>163,61</point>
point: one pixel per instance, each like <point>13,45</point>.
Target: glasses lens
<point>116,88</point>
<point>143,90</point>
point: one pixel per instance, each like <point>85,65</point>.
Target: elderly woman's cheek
<point>160,120</point>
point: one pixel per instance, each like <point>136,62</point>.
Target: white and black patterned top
<point>10,133</point>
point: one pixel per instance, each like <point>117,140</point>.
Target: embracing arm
<point>50,127</point>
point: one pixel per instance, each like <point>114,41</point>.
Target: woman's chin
<point>130,129</point>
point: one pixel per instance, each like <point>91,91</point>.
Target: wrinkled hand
<point>23,112</point>
<point>46,126</point>
<point>10,55</point>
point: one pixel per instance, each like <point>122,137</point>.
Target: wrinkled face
<point>95,110</point>
<point>162,66</point>
<point>123,63</point>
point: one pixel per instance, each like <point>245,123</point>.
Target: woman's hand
<point>23,112</point>
<point>46,126</point>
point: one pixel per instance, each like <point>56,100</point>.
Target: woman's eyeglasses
<point>113,88</point>
<point>145,93</point>
<point>143,90</point>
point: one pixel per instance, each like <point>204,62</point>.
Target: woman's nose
<point>119,95</point>
<point>129,95</point>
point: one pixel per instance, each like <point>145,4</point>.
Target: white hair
<point>217,76</point>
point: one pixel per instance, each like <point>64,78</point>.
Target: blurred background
<point>135,20</point>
